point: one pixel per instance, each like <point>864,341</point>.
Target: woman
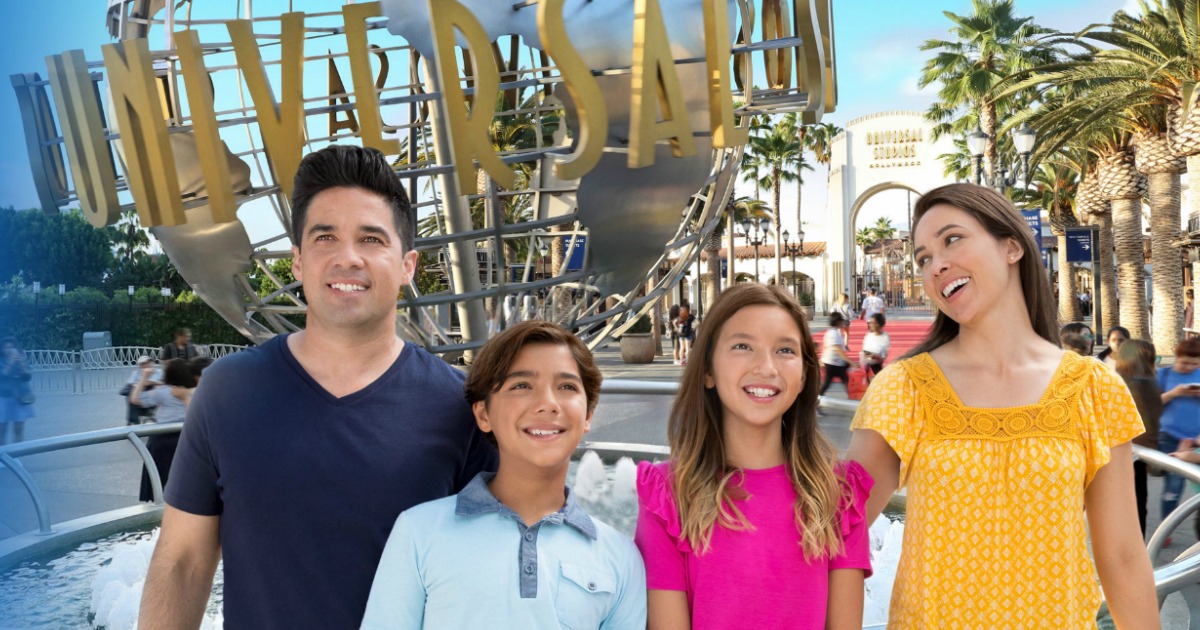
<point>833,352</point>
<point>171,398</point>
<point>1135,363</point>
<point>686,325</point>
<point>16,398</point>
<point>1180,384</point>
<point>875,345</point>
<point>1002,439</point>
<point>844,307</point>
<point>1116,336</point>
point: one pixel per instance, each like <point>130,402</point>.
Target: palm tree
<point>130,241</point>
<point>735,211</point>
<point>780,153</point>
<point>989,45</point>
<point>820,141</point>
<point>884,231</point>
<point>1055,184</point>
<point>864,238</point>
<point>1142,72</point>
<point>1091,207</point>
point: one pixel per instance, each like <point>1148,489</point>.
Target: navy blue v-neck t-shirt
<point>308,486</point>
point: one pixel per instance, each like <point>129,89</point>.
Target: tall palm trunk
<point>1091,207</point>
<point>1107,293</point>
<point>1122,185</point>
<point>1068,305</point>
<point>712,253</point>
<point>776,188</point>
<point>1154,158</point>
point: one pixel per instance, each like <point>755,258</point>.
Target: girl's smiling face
<point>757,367</point>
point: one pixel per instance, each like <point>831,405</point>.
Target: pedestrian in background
<point>180,348</point>
<point>171,400</point>
<point>1135,363</point>
<point>1180,424</point>
<point>16,396</point>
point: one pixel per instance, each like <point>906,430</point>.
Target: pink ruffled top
<point>754,578</point>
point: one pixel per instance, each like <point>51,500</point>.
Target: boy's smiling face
<point>540,412</point>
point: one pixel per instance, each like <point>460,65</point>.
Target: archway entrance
<point>876,155</point>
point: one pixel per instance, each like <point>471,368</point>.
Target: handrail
<point>9,454</point>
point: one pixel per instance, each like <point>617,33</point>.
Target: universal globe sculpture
<point>550,193</point>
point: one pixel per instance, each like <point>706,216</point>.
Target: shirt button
<point>591,586</point>
<point>528,535</point>
<point>529,568</point>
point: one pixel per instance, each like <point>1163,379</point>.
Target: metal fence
<point>101,368</point>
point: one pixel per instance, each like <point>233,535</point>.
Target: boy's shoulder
<point>430,514</point>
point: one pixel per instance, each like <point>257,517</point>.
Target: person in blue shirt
<point>514,549</point>
<point>1179,426</point>
<point>297,456</point>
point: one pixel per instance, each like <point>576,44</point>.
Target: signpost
<point>1083,245</point>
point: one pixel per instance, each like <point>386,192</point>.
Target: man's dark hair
<point>348,166</point>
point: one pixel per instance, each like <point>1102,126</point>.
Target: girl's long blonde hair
<point>705,485</point>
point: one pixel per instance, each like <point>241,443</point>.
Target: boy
<point>513,549</point>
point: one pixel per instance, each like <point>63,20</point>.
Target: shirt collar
<point>476,498</point>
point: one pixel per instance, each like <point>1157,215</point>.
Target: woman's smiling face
<point>964,268</point>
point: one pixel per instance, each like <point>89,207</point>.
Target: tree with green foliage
<point>53,248</point>
<point>986,47</point>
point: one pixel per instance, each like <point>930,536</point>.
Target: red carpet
<point>905,336</point>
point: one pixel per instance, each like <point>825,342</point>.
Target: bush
<point>642,326</point>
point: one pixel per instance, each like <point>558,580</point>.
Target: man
<point>297,456</point>
<point>180,348</point>
<point>871,305</point>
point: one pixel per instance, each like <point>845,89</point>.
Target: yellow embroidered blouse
<point>995,534</point>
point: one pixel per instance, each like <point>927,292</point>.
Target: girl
<point>1003,440</point>
<point>1116,336</point>
<point>833,352</point>
<point>752,523</point>
<point>1135,363</point>
<point>875,345</point>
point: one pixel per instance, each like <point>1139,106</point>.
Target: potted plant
<point>637,343</point>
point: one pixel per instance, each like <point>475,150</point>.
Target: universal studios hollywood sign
<point>141,97</point>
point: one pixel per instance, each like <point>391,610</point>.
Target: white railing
<point>100,368</point>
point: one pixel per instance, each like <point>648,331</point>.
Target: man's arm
<point>181,571</point>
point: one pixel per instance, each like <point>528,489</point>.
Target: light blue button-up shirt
<point>468,561</point>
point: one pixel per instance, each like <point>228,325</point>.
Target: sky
<point>877,42</point>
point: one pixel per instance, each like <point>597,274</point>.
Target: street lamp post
<point>543,250</point>
<point>131,290</point>
<point>37,294</point>
<point>165,292</point>
<point>997,176</point>
<point>62,290</point>
<point>792,250</point>
<point>756,235</point>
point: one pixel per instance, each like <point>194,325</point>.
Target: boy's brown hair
<point>494,361</point>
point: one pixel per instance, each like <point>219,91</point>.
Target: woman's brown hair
<point>998,216</point>
<point>1135,358</point>
<point>703,481</point>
